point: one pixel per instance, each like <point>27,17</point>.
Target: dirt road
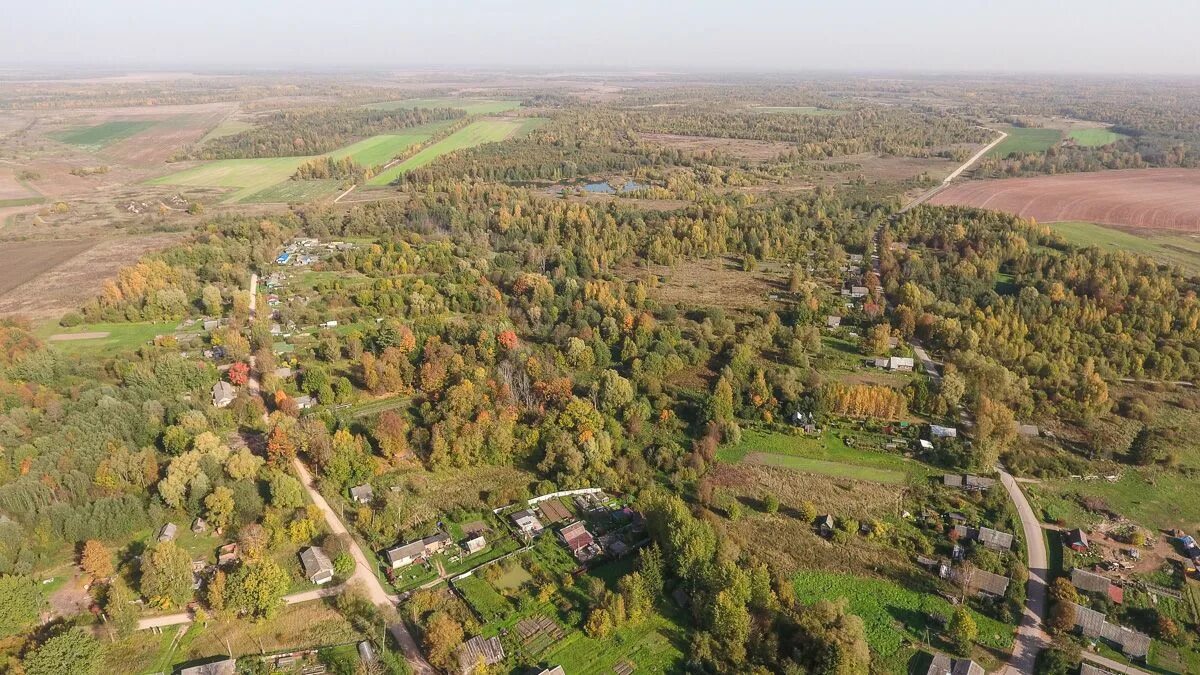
<point>928,194</point>
<point>363,573</point>
<point>1031,637</point>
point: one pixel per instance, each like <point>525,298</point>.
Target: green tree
<point>771,503</point>
<point>219,507</point>
<point>962,630</point>
<point>286,491</point>
<point>74,651</point>
<point>257,588</point>
<point>167,575</point>
<point>120,609</point>
<point>21,606</point>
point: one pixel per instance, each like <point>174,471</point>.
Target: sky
<point>998,36</point>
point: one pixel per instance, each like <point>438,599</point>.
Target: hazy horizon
<point>1021,36</point>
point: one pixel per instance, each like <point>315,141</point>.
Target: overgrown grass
<point>119,336</point>
<point>826,454</point>
<point>893,614</point>
<point>484,599</point>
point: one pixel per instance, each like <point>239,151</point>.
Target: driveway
<point>1031,637</point>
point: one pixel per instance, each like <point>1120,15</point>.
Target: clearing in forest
<point>1023,140</point>
<point>378,150</point>
<point>472,106</point>
<point>798,110</point>
<point>476,133</point>
<point>1094,138</point>
<point>248,176</point>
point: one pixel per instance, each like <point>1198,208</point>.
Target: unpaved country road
<point>293,599</point>
<point>364,574</point>
<point>1031,638</point>
<point>928,194</point>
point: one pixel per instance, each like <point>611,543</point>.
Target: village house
<point>527,522</point>
<point>475,544</point>
<point>223,394</point>
<point>1076,540</point>
<point>402,556</point>
<point>944,665</point>
<point>832,321</point>
<point>362,494</point>
<point>1094,624</point>
<point>479,650</point>
<point>938,431</point>
<point>227,554</point>
<point>576,537</point>
<point>1091,582</point>
<point>967,481</point>
<point>168,532</point>
<point>824,525</point>
<point>993,539</point>
<point>199,526</point>
<point>900,364</point>
<point>980,582</point>
<point>222,667</point>
<point>317,567</point>
<point>556,670</point>
<point>304,402</point>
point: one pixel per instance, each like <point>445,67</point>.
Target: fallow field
<point>472,106</point>
<point>476,133</point>
<point>1150,199</point>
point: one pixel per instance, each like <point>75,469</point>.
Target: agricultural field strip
<point>476,133</point>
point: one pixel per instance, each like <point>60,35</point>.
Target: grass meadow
<point>1094,138</point>
<point>246,176</point>
<point>1170,249</point>
<point>1023,140</point>
<point>101,135</point>
<point>826,454</point>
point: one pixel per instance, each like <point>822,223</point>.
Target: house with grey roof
<point>318,569</point>
<point>223,394</point>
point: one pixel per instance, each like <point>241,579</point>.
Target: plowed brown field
<point>1149,199</point>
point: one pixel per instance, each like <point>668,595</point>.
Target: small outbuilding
<point>1076,540</point>
<point>168,532</point>
<point>223,394</point>
<point>362,494</point>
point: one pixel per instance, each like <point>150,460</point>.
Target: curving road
<point>928,194</point>
<point>363,573</point>
<point>1031,637</point>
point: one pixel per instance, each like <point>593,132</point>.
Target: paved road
<point>365,576</point>
<point>1031,637</point>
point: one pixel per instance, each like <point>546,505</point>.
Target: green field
<point>121,336</point>
<point>295,191</point>
<point>248,176</point>
<point>1094,138</point>
<point>798,110</point>
<point>378,150</point>
<point>826,455</point>
<point>1153,498</point>
<point>654,646</point>
<point>1026,140</point>
<point>476,133</point>
<point>102,135</point>
<point>1170,249</point>
<point>472,106</point>
<point>23,201</point>
<point>894,615</point>
<point>483,598</point>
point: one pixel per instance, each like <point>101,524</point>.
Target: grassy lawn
<point>826,454</point>
<point>798,110</point>
<point>894,614</point>
<point>1094,138</point>
<point>1176,250</point>
<point>654,646</point>
<point>472,106</point>
<point>307,625</point>
<point>119,336</point>
<point>483,598</point>
<point>1156,499</point>
<point>476,133</point>
<point>102,135</point>
<point>1026,140</point>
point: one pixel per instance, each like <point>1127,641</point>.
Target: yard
<point>896,615</point>
<point>826,454</point>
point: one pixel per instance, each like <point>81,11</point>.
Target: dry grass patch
<point>737,147</point>
<point>713,282</point>
<point>311,624</point>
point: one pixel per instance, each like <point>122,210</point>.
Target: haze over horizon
<point>1020,36</point>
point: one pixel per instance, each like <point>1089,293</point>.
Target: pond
<point>605,188</point>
